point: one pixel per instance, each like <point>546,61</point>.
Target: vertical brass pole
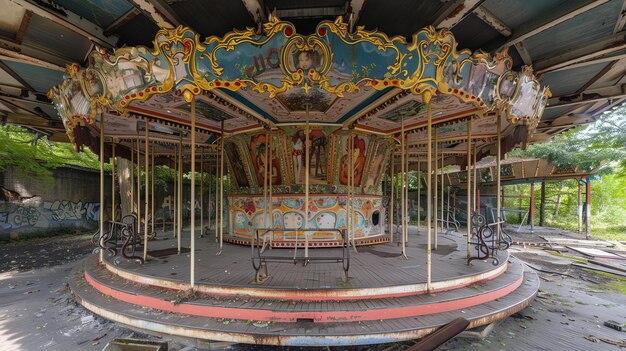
<point>193,192</point>
<point>217,170</point>
<point>391,194</point>
<point>179,207</point>
<point>270,165</point>
<point>132,176</point>
<point>475,197</point>
<point>306,168</point>
<point>350,173</point>
<point>419,195</point>
<point>152,193</point>
<point>435,214</point>
<point>442,187</point>
<point>202,192</point>
<point>469,185</point>
<point>402,187</point>
<point>175,194</point>
<point>426,98</point>
<point>265,180</point>
<point>113,181</point>
<point>406,190</point>
<point>138,228</point>
<point>101,184</point>
<point>498,185</point>
<point>222,191</point>
<point>145,228</point>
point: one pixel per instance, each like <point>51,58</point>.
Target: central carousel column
<point>427,99</point>
<point>469,184</point>
<point>193,192</point>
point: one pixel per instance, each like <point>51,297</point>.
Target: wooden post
<point>435,216</point>
<point>101,184</point>
<point>193,192</point>
<point>426,97</point>
<point>145,228</point>
<point>532,208</point>
<point>469,206</point>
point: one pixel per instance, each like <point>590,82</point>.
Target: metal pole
<point>469,184</point>
<point>419,195</point>
<point>435,214</point>
<point>402,185</point>
<point>270,165</point>
<point>113,181</point>
<point>306,172</point>
<point>498,185</point>
<point>101,184</point>
<point>580,209</point>
<point>138,186</point>
<point>265,180</point>
<point>202,193</point>
<point>532,208</point>
<point>152,194</point>
<point>193,191</point>
<point>179,207</point>
<point>132,176</point>
<point>426,98</point>
<point>588,209</point>
<point>145,228</point>
<point>175,194</point>
<point>475,191</point>
<point>442,186</point>
<point>222,192</point>
<point>217,169</point>
<point>406,189</point>
<point>391,195</point>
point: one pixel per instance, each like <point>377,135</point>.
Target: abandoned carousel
<point>284,218</point>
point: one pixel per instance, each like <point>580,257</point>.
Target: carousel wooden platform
<point>385,298</point>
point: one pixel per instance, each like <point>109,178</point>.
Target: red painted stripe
<point>317,316</point>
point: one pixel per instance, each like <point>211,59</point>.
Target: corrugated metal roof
<point>57,39</point>
<point>41,79</point>
<point>566,83</point>
<point>516,13</point>
<point>400,17</point>
<point>215,17</point>
<point>578,31</point>
<point>100,12</point>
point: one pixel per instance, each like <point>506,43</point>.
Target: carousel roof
<point>575,47</point>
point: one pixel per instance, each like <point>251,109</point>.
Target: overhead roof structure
<point>577,48</point>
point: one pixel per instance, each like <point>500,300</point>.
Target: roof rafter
<point>455,12</point>
<point>353,11</point>
<point>160,12</point>
<point>13,52</point>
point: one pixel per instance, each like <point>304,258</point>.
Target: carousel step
<point>303,332</point>
<point>292,311</point>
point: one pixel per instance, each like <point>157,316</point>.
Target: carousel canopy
<point>349,74</point>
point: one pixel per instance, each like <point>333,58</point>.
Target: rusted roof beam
<point>256,10</point>
<point>159,12</point>
<point>455,12</point>
<point>353,11</point>
<point>492,21</point>
<point>563,12</point>
<point>11,51</point>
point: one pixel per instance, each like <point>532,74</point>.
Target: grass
<point>610,233</point>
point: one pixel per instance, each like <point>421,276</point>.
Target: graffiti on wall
<point>14,215</point>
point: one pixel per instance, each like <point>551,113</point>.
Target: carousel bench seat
<point>262,240</point>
